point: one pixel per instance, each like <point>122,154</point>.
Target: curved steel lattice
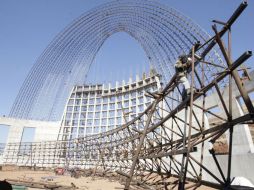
<point>163,32</point>
<point>172,140</point>
<point>167,143</point>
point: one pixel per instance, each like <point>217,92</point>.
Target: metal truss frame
<point>164,147</point>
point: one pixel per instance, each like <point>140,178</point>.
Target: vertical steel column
<point>230,114</point>
<point>235,75</point>
<point>203,120</point>
<point>190,119</point>
<point>135,159</point>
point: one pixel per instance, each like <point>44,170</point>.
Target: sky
<point>28,26</point>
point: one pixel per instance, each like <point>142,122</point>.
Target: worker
<point>5,185</point>
<point>181,68</point>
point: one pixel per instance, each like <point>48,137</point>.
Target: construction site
<point>186,124</point>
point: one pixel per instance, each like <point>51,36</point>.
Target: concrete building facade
<point>93,109</point>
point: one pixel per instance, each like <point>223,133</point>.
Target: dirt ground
<point>83,183</point>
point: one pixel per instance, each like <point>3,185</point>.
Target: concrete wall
<point>243,148</point>
<point>242,166</point>
<point>44,131</point>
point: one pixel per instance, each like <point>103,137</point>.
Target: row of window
<point>128,95</point>
<point>98,122</point>
<point>104,107</point>
<point>98,101</point>
<point>81,131</point>
<point>104,113</point>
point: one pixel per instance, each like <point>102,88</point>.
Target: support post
<point>235,75</point>
<point>190,118</point>
<point>141,142</point>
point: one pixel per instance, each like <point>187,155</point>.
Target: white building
<point>93,109</point>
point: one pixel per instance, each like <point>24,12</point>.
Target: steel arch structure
<point>166,145</point>
<point>163,33</point>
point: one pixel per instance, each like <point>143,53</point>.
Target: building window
<point>96,130</point>
<point>119,121</point>
<point>112,99</point>
<point>89,122</point>
<point>69,108</point>
<point>111,113</point>
<point>82,115</point>
<point>105,106</point>
<point>141,100</point>
<point>119,98</point>
<point>103,129</point>
<point>74,131</point>
<point>77,102</point>
<point>71,102</point>
<point>126,104</point>
<point>111,121</point>
<point>126,96</point>
<point>97,122</point>
<point>88,130</point>
<point>84,108</point>
<point>66,130</point>
<point>104,114</point>
<point>97,114</point>
<point>82,122</point>
<point>141,108</point>
<point>90,115</point>
<point>133,94</point>
<point>119,113</point>
<point>68,116</point>
<point>111,127</point>
<point>85,95</point>
<point>111,106</point>
<point>75,116</point>
<point>98,100</point>
<point>67,123</point>
<point>74,122</point>
<point>98,107</point>
<point>105,100</point>
<point>78,95</point>
<point>76,108</point>
<point>103,122</point>
<point>119,105</point>
<point>84,101</point>
<point>90,108</point>
<point>91,101</point>
<point>133,102</point>
<point>81,131</point>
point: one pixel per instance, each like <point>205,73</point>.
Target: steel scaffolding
<point>170,139</point>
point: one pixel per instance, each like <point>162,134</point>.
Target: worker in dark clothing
<point>4,185</point>
<point>181,67</point>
